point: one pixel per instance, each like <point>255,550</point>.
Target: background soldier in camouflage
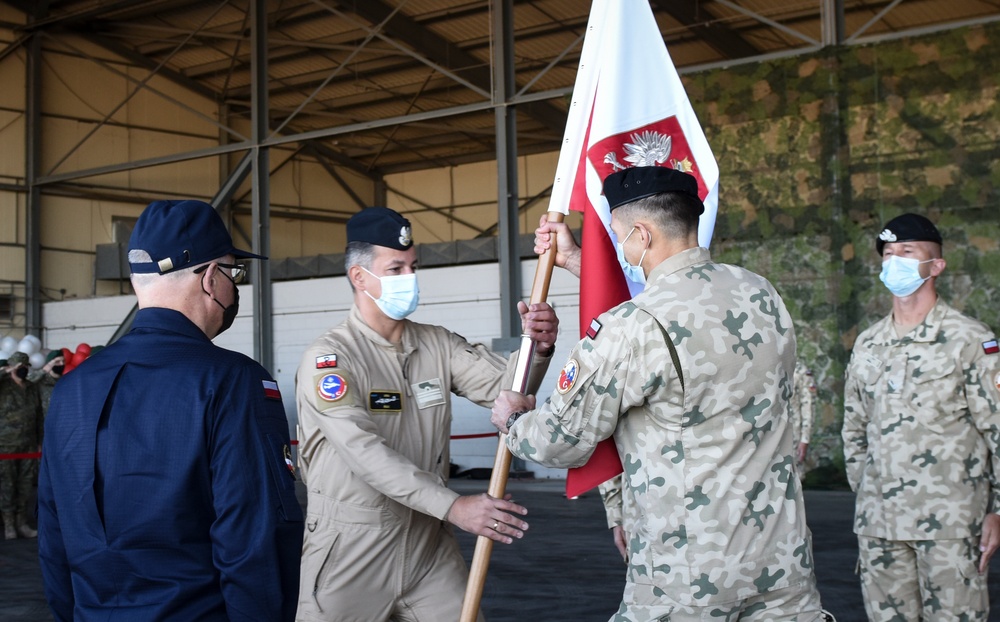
<point>46,377</point>
<point>712,507</point>
<point>921,434</point>
<point>20,432</point>
<point>801,411</point>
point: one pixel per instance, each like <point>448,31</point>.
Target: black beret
<point>178,234</point>
<point>639,182</point>
<point>907,228</point>
<point>380,226</point>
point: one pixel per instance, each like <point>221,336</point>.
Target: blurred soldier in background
<point>802,410</point>
<point>20,433</point>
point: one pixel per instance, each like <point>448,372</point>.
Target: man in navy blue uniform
<point>166,491</point>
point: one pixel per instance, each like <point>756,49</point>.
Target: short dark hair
<point>674,213</point>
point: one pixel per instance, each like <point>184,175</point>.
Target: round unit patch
<point>331,387</point>
<point>567,377</point>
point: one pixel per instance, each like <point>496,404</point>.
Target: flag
<point>629,108</point>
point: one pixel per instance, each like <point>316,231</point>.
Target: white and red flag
<point>629,108</point>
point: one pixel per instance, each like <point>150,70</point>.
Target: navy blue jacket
<point>164,492</point>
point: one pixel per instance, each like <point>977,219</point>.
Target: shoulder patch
<point>568,375</point>
<point>991,347</point>
<point>595,327</point>
<point>331,387</point>
<point>326,361</point>
<point>271,391</point>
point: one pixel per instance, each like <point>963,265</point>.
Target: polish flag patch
<point>595,327</point>
<point>326,361</point>
<point>271,391</point>
<point>991,347</point>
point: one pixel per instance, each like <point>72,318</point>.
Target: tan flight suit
<point>712,507</point>
<point>376,420</point>
<point>922,448</point>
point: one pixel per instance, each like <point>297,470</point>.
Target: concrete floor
<point>565,569</point>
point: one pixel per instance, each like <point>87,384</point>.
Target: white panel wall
<point>464,299</point>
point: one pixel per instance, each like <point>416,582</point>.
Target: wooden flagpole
<point>501,465</point>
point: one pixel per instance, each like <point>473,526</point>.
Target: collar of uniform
<point>681,260</point>
<point>369,333</point>
<point>158,318</point>
<point>925,332</point>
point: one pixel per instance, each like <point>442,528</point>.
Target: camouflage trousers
<point>922,580</point>
<point>799,603</point>
<point>17,478</point>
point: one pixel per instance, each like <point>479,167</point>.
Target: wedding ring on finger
<point>496,524</point>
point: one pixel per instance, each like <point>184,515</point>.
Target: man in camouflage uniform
<point>20,433</point>
<point>692,379</point>
<point>921,433</point>
<point>46,377</point>
<point>801,410</point>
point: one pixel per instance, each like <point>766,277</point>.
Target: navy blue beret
<point>380,226</point>
<point>639,182</point>
<point>179,234</point>
<point>907,228</point>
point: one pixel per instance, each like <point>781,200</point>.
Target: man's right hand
<point>488,516</point>
<point>567,250</point>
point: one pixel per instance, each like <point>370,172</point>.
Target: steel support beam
<point>719,36</point>
<point>33,161</point>
<point>438,50</point>
<point>260,271</point>
<point>506,146</point>
<point>832,21</point>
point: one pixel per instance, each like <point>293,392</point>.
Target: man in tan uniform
<point>921,434</point>
<point>801,409</point>
<point>692,379</point>
<point>374,407</point>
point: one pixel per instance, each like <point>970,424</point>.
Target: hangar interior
<point>826,116</point>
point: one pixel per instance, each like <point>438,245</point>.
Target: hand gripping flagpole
<point>501,465</point>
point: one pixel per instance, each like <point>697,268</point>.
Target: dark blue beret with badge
<point>180,234</point>
<point>639,182</point>
<point>908,228</point>
<point>380,226</point>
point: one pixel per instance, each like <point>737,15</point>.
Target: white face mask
<point>400,294</point>
<point>635,272</point>
<point>901,275</point>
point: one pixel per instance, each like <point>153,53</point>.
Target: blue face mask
<point>633,273</point>
<point>901,275</point>
<point>400,294</point>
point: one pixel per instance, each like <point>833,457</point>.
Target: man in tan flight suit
<point>922,442</point>
<point>692,379</point>
<point>373,398</point>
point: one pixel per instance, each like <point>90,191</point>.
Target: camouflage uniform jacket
<point>803,399</point>
<point>20,415</point>
<point>712,506</point>
<point>922,427</point>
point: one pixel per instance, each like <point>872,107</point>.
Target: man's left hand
<point>990,540</point>
<point>539,322</point>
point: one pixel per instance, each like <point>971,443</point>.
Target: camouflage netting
<point>816,152</point>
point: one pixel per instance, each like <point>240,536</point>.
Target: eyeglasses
<point>239,270</point>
